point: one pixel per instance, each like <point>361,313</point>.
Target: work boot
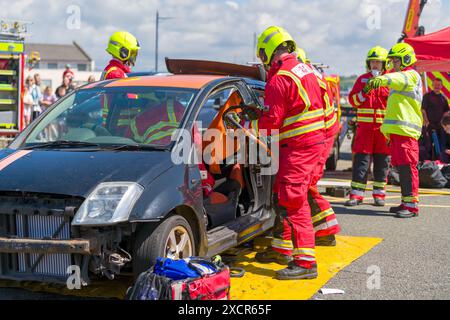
<point>327,241</point>
<point>395,209</point>
<point>270,256</point>
<point>295,272</point>
<point>379,202</point>
<point>406,214</point>
<point>353,203</point>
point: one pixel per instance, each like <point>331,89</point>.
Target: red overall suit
<point>156,125</point>
<point>369,141</point>
<point>323,216</point>
<point>115,70</point>
<point>296,110</point>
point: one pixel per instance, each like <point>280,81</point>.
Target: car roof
<point>173,81</point>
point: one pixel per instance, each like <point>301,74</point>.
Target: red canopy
<point>432,50</point>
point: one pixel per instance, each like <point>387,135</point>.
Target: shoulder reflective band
<point>403,123</point>
<point>328,107</point>
<point>303,116</point>
<point>106,73</point>
<point>301,90</point>
<point>322,84</point>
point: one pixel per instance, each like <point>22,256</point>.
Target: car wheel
<point>332,161</point>
<point>173,239</point>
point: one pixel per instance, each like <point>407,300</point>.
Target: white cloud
<point>233,5</point>
<point>331,31</point>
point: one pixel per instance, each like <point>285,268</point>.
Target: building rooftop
<point>59,52</point>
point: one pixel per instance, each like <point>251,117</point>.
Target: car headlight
<point>109,203</point>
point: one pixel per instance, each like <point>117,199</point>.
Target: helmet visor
<point>133,56</point>
<point>263,56</point>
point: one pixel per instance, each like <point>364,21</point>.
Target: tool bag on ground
<point>430,175</point>
<point>393,177</point>
<point>446,173</point>
<point>188,279</point>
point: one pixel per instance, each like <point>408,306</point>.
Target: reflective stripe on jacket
<point>404,114</point>
<point>157,131</point>
<point>331,116</point>
<point>306,121</point>
<point>295,104</point>
<point>371,107</point>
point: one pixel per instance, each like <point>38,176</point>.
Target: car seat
<point>221,205</point>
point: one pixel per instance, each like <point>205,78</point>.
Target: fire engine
<point>12,65</point>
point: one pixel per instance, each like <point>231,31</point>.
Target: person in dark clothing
<point>434,106</point>
<point>67,85</point>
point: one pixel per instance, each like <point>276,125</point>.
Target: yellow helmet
<point>405,52</point>
<point>270,40</point>
<point>123,46</point>
<point>301,55</point>
<point>377,54</point>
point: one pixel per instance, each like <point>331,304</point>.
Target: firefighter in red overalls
<point>369,142</point>
<point>124,49</point>
<point>293,96</point>
<point>156,125</point>
<point>324,218</point>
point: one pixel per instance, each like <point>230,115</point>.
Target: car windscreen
<point>114,116</point>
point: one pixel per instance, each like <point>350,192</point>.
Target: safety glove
<point>375,83</point>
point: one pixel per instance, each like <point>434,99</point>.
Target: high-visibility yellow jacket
<point>403,113</point>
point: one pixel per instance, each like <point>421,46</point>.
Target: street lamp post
<point>158,18</point>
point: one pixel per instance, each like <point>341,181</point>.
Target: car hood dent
<point>77,173</point>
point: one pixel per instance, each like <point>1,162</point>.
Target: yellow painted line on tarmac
<point>259,282</point>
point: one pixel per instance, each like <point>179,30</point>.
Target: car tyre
<point>173,234</point>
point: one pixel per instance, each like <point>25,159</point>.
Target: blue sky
<point>335,32</point>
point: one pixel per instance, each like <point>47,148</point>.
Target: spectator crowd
<point>37,98</point>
